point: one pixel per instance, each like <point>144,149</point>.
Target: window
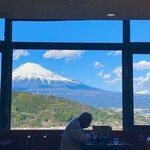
<point>2,21</point>
<point>68,31</point>
<point>140,31</point>
<point>141,78</point>
<point>51,87</point>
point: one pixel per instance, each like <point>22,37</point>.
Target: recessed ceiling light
<point>111,15</point>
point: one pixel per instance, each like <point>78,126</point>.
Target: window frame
<point>128,49</point>
<point>143,50</point>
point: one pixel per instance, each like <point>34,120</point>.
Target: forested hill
<point>34,110</point>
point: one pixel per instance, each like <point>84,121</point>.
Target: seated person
<point>73,136</point>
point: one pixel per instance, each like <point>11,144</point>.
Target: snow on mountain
<point>29,71</point>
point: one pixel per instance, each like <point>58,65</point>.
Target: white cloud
<point>138,79</point>
<point>67,54</point>
<point>18,53</point>
<point>106,76</point>
<point>116,80</point>
<point>118,71</point>
<point>141,65</point>
<point>97,64</point>
<point>142,84</point>
<point>118,76</point>
<point>114,53</point>
<point>100,74</point>
<point>143,92</point>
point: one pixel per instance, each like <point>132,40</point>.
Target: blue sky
<point>68,31</point>
<point>101,69</point>
<point>1,29</point>
<point>94,68</point>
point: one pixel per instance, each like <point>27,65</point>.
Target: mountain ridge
<point>36,71</point>
<point>33,78</point>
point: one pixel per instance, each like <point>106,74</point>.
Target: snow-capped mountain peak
<point>34,71</point>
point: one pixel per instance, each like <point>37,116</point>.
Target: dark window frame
<point>128,49</point>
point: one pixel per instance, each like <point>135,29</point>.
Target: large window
<point>62,68</point>
<point>51,87</point>
<point>68,31</point>
<point>141,78</point>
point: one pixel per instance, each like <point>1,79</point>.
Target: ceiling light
<point>111,15</point>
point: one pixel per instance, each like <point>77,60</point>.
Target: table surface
<point>109,144</point>
<point>122,145</point>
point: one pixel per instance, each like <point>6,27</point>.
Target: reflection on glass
<point>68,31</point>
<point>141,78</point>
<point>51,87</point>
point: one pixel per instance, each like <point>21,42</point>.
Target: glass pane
<point>51,87</point>
<point>141,78</point>
<point>2,23</point>
<point>140,31</point>
<point>68,31</point>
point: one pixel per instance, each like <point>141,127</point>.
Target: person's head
<point>85,119</point>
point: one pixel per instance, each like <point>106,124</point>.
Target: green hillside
<point>43,111</point>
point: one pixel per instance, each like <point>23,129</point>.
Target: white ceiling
<point>75,9</point>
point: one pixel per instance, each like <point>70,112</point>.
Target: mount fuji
<point>33,78</point>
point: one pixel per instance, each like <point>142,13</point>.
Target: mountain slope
<point>33,78</point>
<point>35,110</point>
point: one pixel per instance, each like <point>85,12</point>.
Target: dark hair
<point>85,116</point>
